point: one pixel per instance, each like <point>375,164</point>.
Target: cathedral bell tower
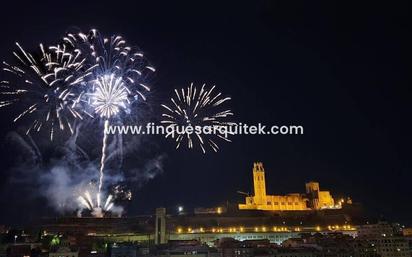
<point>259,183</point>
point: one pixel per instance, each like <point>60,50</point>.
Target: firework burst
<point>120,75</point>
<point>123,62</point>
<point>197,108</point>
<point>110,96</point>
<point>47,86</point>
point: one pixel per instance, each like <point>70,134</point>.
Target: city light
<point>263,229</point>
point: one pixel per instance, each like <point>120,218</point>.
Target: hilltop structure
<point>314,199</point>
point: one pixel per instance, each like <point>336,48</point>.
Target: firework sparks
<point>110,96</point>
<point>98,203</point>
<point>120,72</point>
<point>47,86</point>
<point>120,76</point>
<point>121,192</point>
<point>86,201</point>
<point>114,56</point>
<point>197,108</point>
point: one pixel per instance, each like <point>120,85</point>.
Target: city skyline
<point>343,77</point>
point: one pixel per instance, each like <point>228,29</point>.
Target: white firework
<point>110,96</point>
<point>113,57</point>
<point>198,108</point>
<point>47,86</point>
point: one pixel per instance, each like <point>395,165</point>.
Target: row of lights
<point>260,229</point>
<point>274,229</point>
<point>344,227</point>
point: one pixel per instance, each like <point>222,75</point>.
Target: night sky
<point>339,70</point>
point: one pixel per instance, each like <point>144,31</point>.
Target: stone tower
<point>160,235</point>
<point>259,183</point>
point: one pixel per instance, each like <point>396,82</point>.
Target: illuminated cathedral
<point>314,199</point>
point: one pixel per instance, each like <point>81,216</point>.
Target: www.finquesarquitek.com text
<point>226,130</point>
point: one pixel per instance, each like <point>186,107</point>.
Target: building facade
<point>314,199</point>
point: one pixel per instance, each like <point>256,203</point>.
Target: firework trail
<point>102,160</point>
<point>119,81</point>
<point>47,85</point>
<point>109,97</point>
<point>197,108</point>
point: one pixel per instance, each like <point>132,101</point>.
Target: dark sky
<point>340,70</point>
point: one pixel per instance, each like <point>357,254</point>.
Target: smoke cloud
<point>69,171</point>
